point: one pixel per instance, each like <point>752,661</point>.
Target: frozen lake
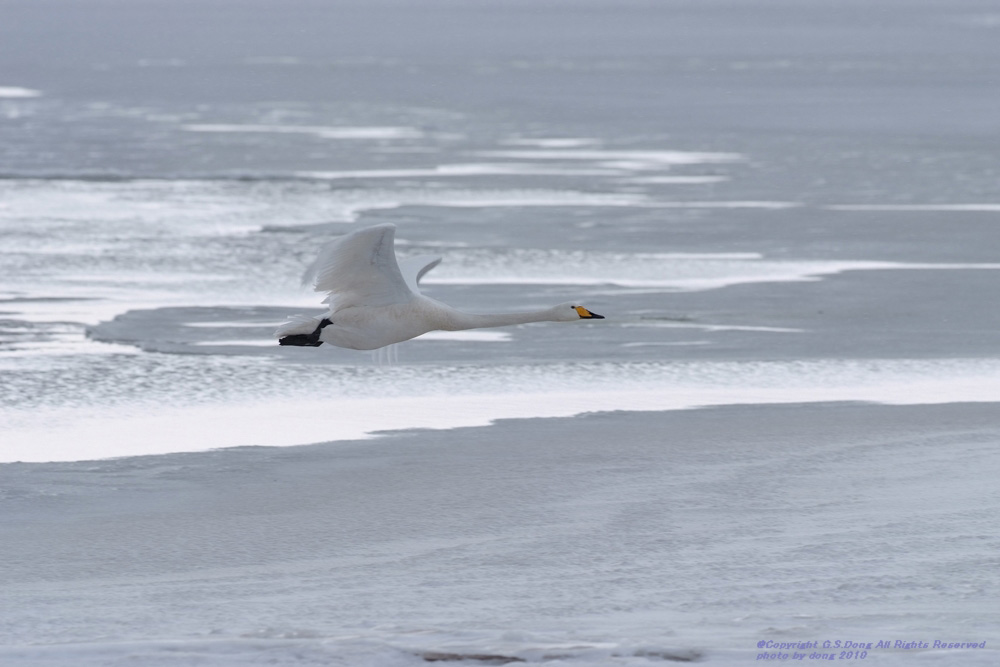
<point>784,432</point>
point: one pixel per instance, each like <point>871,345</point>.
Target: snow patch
<point>646,158</point>
<point>15,92</point>
<point>405,398</point>
<point>663,271</point>
<point>248,342</point>
<point>459,170</point>
<point>468,336</point>
<point>323,132</point>
<point>954,208</point>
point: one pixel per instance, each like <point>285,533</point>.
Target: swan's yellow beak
<point>587,315</point>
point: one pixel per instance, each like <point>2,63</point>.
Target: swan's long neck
<point>458,320</point>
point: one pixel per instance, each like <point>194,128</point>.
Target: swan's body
<point>375,301</point>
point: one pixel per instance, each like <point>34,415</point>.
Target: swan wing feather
<point>360,269</point>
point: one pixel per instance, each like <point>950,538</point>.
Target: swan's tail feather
<point>297,324</point>
<point>301,330</point>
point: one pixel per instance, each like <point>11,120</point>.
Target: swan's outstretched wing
<point>360,269</point>
<point>414,268</point>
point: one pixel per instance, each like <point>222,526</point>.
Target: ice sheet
<point>608,539</point>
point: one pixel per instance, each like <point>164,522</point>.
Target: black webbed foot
<point>302,340</point>
<point>306,340</point>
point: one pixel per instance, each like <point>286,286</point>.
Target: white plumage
<point>375,301</point>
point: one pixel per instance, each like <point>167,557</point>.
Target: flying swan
<point>375,301</point>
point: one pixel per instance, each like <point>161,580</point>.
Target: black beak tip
<point>596,316</point>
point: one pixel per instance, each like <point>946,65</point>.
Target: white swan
<point>375,301</point>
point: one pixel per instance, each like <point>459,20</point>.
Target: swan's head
<point>570,311</point>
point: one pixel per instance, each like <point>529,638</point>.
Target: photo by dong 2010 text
<point>840,649</point>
